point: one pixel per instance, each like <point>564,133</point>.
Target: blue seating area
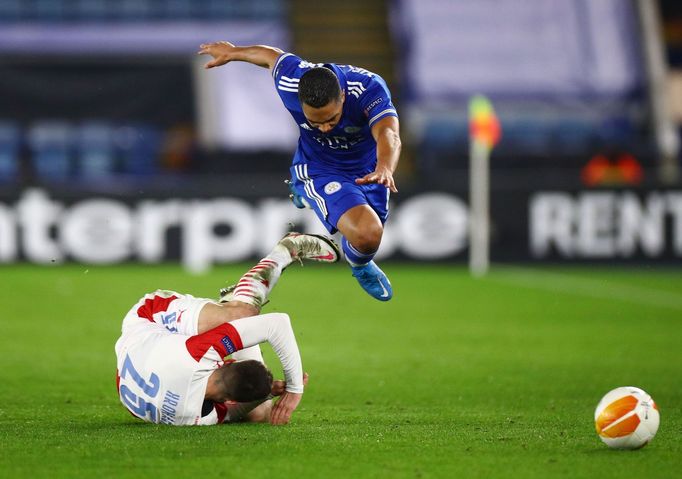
<point>10,144</point>
<point>50,146</point>
<point>138,10</point>
<point>59,151</point>
<point>444,134</point>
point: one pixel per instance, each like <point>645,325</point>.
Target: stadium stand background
<point>107,98</point>
<point>104,91</point>
<point>78,108</point>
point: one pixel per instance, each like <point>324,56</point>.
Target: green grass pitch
<point>455,377</point>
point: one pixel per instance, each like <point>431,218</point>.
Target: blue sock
<point>353,256</point>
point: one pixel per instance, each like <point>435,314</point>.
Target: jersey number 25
<point>137,404</point>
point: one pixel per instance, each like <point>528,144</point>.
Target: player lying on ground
<point>348,149</point>
<point>171,353</point>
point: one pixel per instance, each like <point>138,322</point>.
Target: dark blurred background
<point>107,100</point>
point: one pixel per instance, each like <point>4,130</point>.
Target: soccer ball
<point>626,418</point>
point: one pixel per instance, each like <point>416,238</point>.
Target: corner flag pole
<point>484,133</point>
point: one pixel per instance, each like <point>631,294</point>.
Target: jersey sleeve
<point>287,67</point>
<point>220,341</point>
<point>275,328</point>
<point>375,99</point>
<point>287,72</point>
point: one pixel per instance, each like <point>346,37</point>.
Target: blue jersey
<point>349,147</point>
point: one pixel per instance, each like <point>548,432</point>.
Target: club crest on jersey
<point>332,187</point>
<point>352,129</point>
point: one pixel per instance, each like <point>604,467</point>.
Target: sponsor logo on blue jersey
<point>338,142</point>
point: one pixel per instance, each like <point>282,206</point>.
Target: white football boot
<point>312,247</point>
<point>300,246</point>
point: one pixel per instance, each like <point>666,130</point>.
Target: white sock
<point>255,286</point>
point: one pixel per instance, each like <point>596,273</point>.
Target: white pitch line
<point>590,287</point>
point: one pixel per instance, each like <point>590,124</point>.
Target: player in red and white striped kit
<point>171,353</point>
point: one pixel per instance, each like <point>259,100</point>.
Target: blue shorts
<point>332,194</point>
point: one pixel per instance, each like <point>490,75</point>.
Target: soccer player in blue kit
<point>348,148</point>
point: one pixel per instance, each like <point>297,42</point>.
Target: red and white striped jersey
<point>162,372</point>
<point>164,365</point>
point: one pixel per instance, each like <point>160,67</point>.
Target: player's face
<point>324,118</point>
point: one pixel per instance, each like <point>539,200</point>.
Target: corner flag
<point>484,133</point>
<point>484,127</point>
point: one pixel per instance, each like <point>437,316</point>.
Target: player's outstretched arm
<point>225,52</point>
<point>386,133</point>
<point>275,328</point>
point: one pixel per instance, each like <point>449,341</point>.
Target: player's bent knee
<point>367,240</point>
<point>237,309</point>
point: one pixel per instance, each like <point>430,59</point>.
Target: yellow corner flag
<point>484,127</point>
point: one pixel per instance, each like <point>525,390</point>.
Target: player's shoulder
<point>370,91</point>
<point>362,83</point>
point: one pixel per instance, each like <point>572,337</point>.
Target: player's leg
<point>362,232</point>
<point>357,211</point>
<point>252,290</point>
<point>296,198</point>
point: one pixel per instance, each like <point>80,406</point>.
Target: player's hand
<point>381,176</point>
<point>220,51</point>
<point>286,405</point>
<point>279,386</point>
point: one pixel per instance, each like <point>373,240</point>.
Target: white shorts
<point>177,313</point>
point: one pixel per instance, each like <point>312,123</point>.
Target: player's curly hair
<point>245,381</point>
<point>318,86</point>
